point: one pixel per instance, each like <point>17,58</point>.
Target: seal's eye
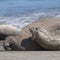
<point>36,28</point>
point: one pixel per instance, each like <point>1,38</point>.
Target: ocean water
<point>23,12</point>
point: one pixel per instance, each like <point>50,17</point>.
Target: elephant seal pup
<point>45,39</point>
<point>7,30</point>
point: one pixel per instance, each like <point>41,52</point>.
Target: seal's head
<point>34,31</point>
<point>12,44</point>
<point>6,45</point>
<point>38,32</point>
<point>9,43</point>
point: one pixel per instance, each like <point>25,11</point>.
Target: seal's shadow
<point>2,36</point>
<point>29,43</point>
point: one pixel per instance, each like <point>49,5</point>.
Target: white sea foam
<point>26,19</point>
<point>58,16</point>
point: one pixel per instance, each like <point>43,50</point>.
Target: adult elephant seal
<point>7,30</point>
<point>23,40</point>
<point>46,39</point>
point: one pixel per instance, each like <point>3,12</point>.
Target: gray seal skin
<point>45,39</point>
<point>8,30</point>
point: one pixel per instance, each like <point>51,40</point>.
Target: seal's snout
<point>6,46</point>
<point>33,31</point>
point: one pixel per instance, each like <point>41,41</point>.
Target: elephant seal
<point>23,40</point>
<point>14,43</point>
<point>45,38</point>
<point>7,30</point>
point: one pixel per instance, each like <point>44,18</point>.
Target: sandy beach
<point>30,55</point>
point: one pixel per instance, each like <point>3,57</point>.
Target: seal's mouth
<point>33,31</point>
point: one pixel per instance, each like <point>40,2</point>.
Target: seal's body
<point>7,30</point>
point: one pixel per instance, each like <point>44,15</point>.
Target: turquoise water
<point>23,12</point>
